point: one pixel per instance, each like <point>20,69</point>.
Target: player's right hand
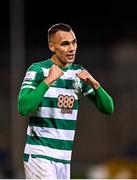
<point>54,73</point>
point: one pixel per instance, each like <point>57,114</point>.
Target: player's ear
<point>51,47</point>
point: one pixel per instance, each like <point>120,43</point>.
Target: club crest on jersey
<point>77,85</point>
<point>66,103</point>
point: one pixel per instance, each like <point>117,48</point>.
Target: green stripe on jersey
<point>52,143</point>
<point>60,83</point>
<point>53,123</point>
<point>26,158</point>
<point>63,83</point>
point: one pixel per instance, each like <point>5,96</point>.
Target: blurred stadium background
<point>105,146</point>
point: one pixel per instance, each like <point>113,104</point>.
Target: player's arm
<point>97,95</point>
<point>29,99</point>
<point>102,100</point>
<point>30,96</point>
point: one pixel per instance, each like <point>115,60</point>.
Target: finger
<point>81,74</point>
<point>83,77</point>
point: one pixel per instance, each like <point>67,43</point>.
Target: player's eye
<point>74,41</point>
<point>65,43</point>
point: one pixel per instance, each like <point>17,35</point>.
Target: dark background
<point>107,47</point>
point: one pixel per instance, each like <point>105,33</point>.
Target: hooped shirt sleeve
<point>32,90</point>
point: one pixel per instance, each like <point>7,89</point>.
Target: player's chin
<point>70,60</point>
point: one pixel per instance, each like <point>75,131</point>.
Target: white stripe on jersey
<point>46,151</point>
<point>69,74</point>
<point>32,87</point>
<point>88,92</point>
<point>27,82</point>
<point>47,112</point>
<point>52,133</point>
<point>54,92</point>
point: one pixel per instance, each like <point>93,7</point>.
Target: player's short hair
<point>58,27</point>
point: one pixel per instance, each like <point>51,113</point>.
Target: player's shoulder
<point>41,64</point>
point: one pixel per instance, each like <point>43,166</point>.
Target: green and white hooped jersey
<point>51,130</point>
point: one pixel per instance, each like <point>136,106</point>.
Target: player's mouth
<point>70,56</point>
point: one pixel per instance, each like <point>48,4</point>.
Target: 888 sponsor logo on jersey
<point>66,103</point>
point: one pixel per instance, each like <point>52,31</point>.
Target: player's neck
<point>59,63</point>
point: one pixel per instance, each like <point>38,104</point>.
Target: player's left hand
<point>86,76</point>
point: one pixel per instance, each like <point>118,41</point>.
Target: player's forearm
<point>103,101</point>
<point>28,102</point>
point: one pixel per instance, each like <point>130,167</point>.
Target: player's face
<point>64,46</point>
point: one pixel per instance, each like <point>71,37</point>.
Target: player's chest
<point>68,81</point>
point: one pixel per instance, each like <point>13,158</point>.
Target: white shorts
<point>38,168</point>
